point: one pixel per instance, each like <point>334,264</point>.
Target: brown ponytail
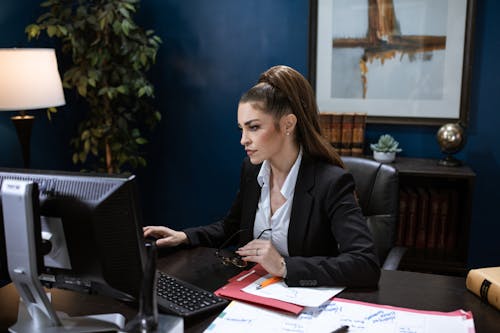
<point>282,90</point>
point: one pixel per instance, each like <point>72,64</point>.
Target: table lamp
<point>29,80</point>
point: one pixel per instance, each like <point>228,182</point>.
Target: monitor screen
<point>91,226</point>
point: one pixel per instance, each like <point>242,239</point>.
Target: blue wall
<point>212,52</point>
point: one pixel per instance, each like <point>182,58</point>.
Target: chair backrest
<point>377,187</point>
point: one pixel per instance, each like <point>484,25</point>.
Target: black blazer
<point>329,242</point>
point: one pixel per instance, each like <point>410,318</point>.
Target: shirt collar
<point>289,185</point>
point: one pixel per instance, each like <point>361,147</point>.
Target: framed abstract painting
<point>399,61</point>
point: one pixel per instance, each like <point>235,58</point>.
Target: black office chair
<point>377,187</point>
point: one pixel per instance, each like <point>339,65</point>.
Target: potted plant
<point>110,55</point>
<point>385,149</point>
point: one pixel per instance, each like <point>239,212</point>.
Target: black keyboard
<point>180,298</point>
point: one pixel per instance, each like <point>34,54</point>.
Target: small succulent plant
<point>386,144</point>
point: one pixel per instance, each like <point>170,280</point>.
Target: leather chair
<point>377,187</point>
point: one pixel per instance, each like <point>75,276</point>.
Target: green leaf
<point>116,146</point>
<point>86,146</point>
<point>122,89</point>
<point>85,135</point>
<point>126,27</point>
<point>124,12</point>
<point>82,86</point>
<point>129,7</point>
<point>82,156</point>
<point>75,158</point>
<point>141,141</point>
<point>117,27</point>
<point>51,30</point>
<point>63,30</point>
<point>141,92</point>
<point>158,115</point>
<point>33,31</point>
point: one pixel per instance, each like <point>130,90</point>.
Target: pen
<point>341,329</point>
<point>243,277</point>
<point>269,281</point>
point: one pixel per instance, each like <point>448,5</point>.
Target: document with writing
<point>361,317</point>
<point>312,297</point>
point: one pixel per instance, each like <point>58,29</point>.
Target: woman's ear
<point>289,121</point>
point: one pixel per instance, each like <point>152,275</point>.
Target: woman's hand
<point>165,236</point>
<point>263,252</point>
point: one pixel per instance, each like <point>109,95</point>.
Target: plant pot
<point>384,157</point>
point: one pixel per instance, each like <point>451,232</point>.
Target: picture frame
<point>402,64</point>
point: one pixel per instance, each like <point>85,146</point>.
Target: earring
<point>287,133</point>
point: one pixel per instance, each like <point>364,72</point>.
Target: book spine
<point>453,222</point>
<point>358,134</point>
<point>325,125</point>
<point>484,285</point>
<point>433,219</point>
<point>347,124</point>
<point>443,220</point>
<point>336,130</point>
<point>412,217</point>
<point>423,217</point>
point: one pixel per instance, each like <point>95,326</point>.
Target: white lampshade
<point>29,79</point>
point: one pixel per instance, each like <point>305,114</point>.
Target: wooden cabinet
<point>437,202</point>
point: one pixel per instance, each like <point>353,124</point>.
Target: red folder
<point>232,290</point>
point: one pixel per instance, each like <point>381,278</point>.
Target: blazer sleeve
<point>349,259</point>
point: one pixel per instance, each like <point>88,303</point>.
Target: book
<point>422,218</point>
<point>411,223</point>
<point>347,125</point>
<point>358,134</point>
<point>403,203</point>
<point>453,222</point>
<point>443,219</point>
<point>336,130</point>
<point>485,283</point>
<point>434,218</point>
<point>326,126</point>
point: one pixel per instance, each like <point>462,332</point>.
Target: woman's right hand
<point>165,236</point>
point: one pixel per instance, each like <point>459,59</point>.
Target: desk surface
<point>199,266</point>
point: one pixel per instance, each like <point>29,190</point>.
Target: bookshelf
<point>435,228</point>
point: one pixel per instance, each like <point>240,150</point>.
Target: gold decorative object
<point>451,139</point>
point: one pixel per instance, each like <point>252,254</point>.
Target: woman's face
<point>259,136</point>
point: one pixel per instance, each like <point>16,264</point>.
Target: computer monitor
<point>93,225</point>
<point>4,274</point>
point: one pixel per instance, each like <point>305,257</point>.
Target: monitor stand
<point>148,319</point>
<point>36,314</point>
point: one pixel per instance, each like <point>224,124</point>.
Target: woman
<point>294,193</point>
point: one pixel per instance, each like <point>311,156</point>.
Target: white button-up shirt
<point>280,220</point>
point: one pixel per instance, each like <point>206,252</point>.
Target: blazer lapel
<point>250,202</point>
<point>301,206</point>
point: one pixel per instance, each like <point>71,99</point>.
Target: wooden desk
<point>200,267</point>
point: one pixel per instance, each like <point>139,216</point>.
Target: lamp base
<point>450,161</point>
<point>23,124</point>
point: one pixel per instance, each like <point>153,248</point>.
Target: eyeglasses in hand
<point>235,259</point>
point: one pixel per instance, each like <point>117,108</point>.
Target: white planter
<point>384,157</point>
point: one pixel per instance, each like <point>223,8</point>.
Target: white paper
<point>313,297</point>
<point>361,318</point>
